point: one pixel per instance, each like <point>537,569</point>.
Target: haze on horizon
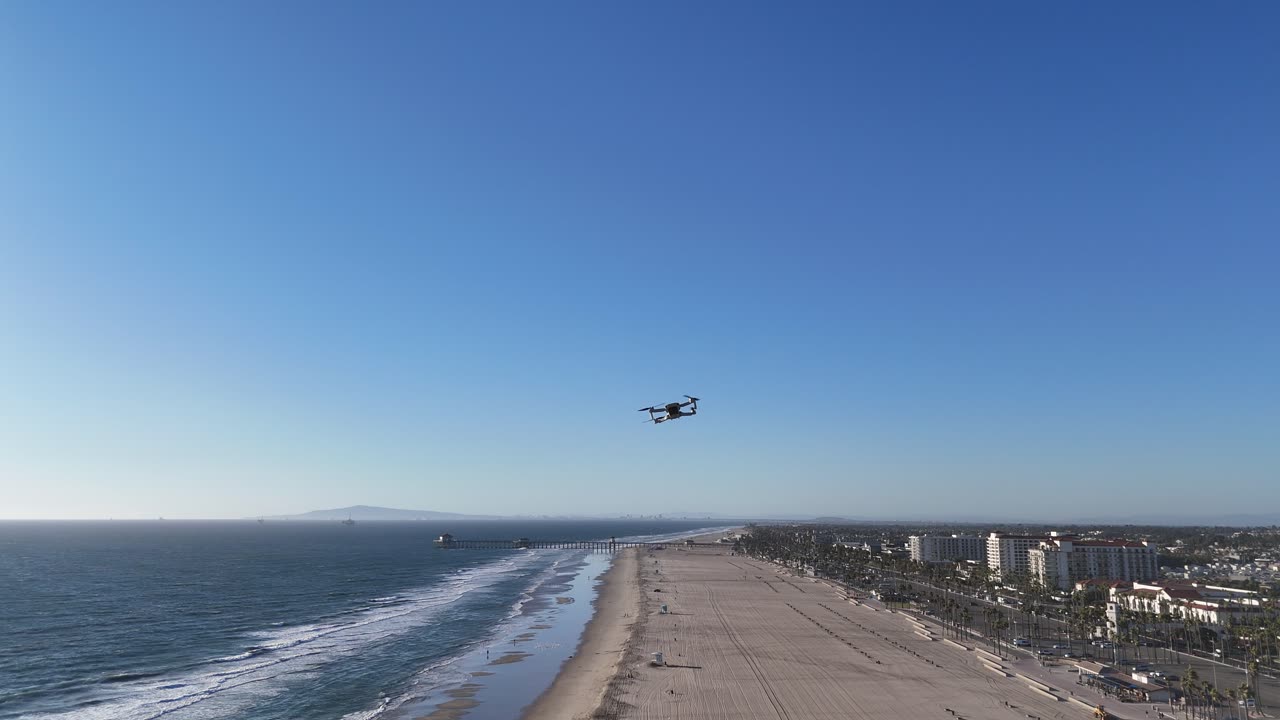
<point>919,260</point>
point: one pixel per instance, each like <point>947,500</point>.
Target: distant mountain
<point>369,513</point>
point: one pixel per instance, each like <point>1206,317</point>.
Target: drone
<point>672,410</point>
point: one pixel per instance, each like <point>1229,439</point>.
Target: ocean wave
<point>383,705</point>
<point>127,676</point>
<point>446,673</point>
<point>673,536</point>
<point>239,680</point>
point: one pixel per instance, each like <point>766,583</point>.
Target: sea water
<point>189,620</point>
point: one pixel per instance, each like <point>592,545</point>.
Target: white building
<point>1209,604</point>
<point>1009,554</point>
<point>1061,563</point>
<point>947,548</point>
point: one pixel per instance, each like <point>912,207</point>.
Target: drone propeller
<point>693,398</point>
<point>648,409</point>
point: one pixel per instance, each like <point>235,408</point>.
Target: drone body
<point>671,411</point>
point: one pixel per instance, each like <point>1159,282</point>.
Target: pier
<point>449,542</point>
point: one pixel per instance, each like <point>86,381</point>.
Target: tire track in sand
<point>751,661</point>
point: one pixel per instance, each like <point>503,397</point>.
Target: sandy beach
<point>745,639</point>
<point>579,688</point>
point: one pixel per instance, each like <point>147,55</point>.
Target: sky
<point>919,260</point>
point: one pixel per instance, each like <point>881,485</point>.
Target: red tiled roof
<point>1223,607</point>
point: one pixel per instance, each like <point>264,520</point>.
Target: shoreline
<point>586,682</point>
<point>500,674</point>
<point>580,686</point>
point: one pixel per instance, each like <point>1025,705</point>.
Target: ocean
<point>187,620</point>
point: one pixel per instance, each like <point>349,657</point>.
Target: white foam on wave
<point>673,536</point>
<point>383,704</point>
<point>222,685</point>
<point>447,672</point>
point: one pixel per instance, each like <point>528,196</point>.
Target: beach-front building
<point>1008,554</point>
<point>1099,591</point>
<point>1210,604</point>
<point>1061,563</point>
<point>947,548</point>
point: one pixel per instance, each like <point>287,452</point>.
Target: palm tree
<point>1215,699</point>
<point>1191,687</point>
<point>1131,636</point>
<point>996,624</point>
<point>1166,619</point>
<point>1246,693</point>
<point>1251,672</point>
<point>1228,632</point>
<point>1189,690</point>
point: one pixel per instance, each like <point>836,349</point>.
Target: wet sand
<point>580,686</point>
<point>456,708</point>
<point>510,657</point>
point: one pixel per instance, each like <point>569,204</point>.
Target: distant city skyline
<point>917,261</point>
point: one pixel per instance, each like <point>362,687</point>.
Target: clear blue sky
<point>920,259</point>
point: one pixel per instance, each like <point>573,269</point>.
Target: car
<point>1070,655</point>
<point>1043,651</point>
<point>1022,642</point>
<point>1060,646</point>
